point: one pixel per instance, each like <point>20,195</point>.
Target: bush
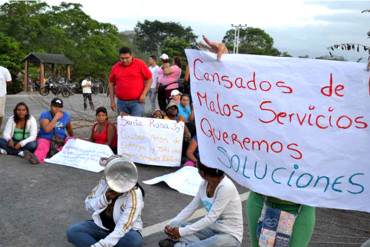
<point>15,87</point>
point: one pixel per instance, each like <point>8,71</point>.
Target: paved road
<point>39,202</point>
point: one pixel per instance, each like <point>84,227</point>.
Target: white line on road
<point>149,230</point>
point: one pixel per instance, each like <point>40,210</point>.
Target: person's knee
<point>31,146</point>
<point>71,232</point>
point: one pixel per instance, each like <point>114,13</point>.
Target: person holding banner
<point>294,223</point>
<point>103,131</point>
<point>223,223</point>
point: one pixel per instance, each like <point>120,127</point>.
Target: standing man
<point>129,80</point>
<point>153,67</point>
<point>5,78</point>
<point>86,85</point>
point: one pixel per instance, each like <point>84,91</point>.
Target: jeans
<point>87,96</point>
<point>87,233</point>
<point>131,107</point>
<point>153,99</point>
<point>206,237</point>
<point>31,146</point>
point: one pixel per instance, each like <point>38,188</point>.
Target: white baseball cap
<point>164,56</point>
<point>175,93</point>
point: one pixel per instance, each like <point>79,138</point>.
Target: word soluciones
<point>290,175</point>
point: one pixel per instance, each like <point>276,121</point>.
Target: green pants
<point>303,226</point>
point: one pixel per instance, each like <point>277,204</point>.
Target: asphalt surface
<point>39,202</point>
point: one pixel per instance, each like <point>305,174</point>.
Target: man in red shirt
<point>129,80</point>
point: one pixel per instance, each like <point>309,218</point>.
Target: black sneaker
<point>167,243</point>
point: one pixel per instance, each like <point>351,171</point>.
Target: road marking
<point>149,230</point>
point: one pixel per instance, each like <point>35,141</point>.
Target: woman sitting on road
<point>54,124</point>
<point>103,131</point>
<point>20,132</point>
<point>223,223</point>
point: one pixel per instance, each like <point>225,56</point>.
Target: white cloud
<point>260,13</point>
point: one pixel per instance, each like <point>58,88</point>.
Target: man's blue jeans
<point>131,107</point>
<point>87,233</point>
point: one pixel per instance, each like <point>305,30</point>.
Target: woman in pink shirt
<point>168,78</point>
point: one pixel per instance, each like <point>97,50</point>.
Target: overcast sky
<point>297,26</point>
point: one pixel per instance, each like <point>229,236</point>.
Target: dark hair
<point>101,109</point>
<point>209,171</point>
<point>16,118</point>
<point>141,188</point>
<point>125,50</point>
<point>184,95</point>
<point>154,57</point>
<point>177,61</point>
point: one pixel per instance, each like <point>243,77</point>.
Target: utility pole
<point>237,36</point>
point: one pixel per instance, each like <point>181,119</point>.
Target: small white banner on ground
<point>150,141</point>
<point>81,154</point>
<point>296,129</point>
<point>186,180</point>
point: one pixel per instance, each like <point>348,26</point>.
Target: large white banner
<point>296,129</point>
<point>150,141</point>
<point>81,154</point>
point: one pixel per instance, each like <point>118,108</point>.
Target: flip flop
<point>32,158</point>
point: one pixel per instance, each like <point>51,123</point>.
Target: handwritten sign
<point>150,141</point>
<point>186,180</point>
<point>296,129</point>
<point>81,154</point>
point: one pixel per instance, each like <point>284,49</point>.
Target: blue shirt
<point>59,128</point>
<point>184,111</point>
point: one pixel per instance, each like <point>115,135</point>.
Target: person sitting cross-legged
<point>20,132</point>
<point>116,205</point>
<point>223,223</point>
<point>54,126</point>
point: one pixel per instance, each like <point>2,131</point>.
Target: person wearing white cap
<point>168,78</point>
<point>176,96</point>
<point>116,204</point>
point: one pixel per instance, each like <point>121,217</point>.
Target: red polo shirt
<point>129,80</point>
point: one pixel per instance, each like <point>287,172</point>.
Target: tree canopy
<point>38,27</point>
<point>155,37</point>
<point>252,41</point>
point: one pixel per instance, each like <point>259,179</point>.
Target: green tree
<point>252,41</point>
<point>151,36</point>
<point>38,27</point>
<point>10,57</point>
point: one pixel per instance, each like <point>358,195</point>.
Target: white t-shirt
<point>4,77</point>
<point>224,211</point>
<point>154,70</point>
<point>87,83</point>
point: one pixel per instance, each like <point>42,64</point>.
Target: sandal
<point>32,158</point>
